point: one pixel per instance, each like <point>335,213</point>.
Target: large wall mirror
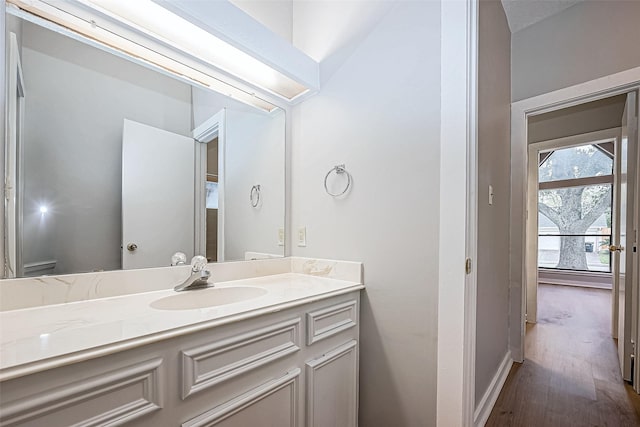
<point>107,173</point>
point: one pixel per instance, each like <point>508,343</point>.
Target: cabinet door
<point>272,404</point>
<point>332,388</point>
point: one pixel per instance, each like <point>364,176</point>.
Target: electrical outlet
<point>280,236</point>
<point>302,236</point>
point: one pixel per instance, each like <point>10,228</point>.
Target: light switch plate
<point>302,236</point>
<point>280,236</point>
<point>490,195</point>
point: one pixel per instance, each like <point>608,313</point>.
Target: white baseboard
<point>559,282</point>
<point>484,408</point>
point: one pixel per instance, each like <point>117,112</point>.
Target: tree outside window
<point>575,210</point>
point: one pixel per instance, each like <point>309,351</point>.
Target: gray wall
<point>379,113</point>
<point>589,40</point>
<point>584,118</point>
<point>77,99</point>
<point>492,321</point>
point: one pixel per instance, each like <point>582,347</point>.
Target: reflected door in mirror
<point>157,195</point>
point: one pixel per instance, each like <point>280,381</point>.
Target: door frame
<point>213,127</point>
<point>604,87</point>
<point>458,204</point>
<point>607,135</point>
<point>14,137</point>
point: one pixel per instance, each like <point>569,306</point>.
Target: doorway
<point>571,155</point>
<point>578,191</point>
<point>524,227</point>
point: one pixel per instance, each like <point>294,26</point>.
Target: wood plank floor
<point>571,375</point>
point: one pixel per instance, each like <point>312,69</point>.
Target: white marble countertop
<point>40,338</point>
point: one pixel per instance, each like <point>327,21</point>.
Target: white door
<point>13,164</point>
<point>622,239</point>
<point>157,196</point>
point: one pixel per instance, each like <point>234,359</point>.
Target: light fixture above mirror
<point>235,65</point>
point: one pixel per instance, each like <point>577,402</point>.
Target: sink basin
<point>203,298</point>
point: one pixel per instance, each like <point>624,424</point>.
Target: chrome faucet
<point>199,277</point>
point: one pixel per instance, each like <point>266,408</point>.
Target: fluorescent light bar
<point>89,28</point>
<point>184,35</point>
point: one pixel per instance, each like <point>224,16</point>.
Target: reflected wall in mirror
<point>108,174</point>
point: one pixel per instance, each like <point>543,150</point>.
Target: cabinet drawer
<point>210,364</point>
<point>330,321</point>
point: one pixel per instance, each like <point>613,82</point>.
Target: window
<point>574,209</point>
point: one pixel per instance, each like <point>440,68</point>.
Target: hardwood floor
<point>571,375</point>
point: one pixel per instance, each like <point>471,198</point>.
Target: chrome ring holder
<point>254,196</point>
<point>339,170</point>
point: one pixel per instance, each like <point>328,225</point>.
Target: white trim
<point>573,284</point>
<point>458,207</point>
<point>531,249</point>
<point>222,155</point>
<point>471,279</point>
<point>576,182</point>
<point>199,199</point>
<point>603,87</point>
<point>13,170</point>
<point>31,268</point>
<point>488,401</point>
<point>208,130</point>
<point>636,251</point>
<point>600,280</point>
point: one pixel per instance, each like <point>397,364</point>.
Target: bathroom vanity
<point>275,344</point>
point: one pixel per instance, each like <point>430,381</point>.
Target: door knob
<point>131,247</point>
<point>614,248</point>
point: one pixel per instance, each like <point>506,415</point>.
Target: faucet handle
<point>179,258</point>
<point>198,263</point>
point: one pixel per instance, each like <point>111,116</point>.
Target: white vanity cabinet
<point>294,367</point>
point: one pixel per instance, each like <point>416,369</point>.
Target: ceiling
<point>522,13</point>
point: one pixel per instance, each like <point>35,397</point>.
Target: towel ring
<point>339,169</point>
<point>254,196</point>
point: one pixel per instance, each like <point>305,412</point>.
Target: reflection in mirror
<point>109,175</point>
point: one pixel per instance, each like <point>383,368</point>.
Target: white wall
<point>492,313</point>
<point>589,40</point>
<point>75,106</point>
<point>273,14</point>
<point>378,112</point>
<point>254,155</point>
<point>207,104</point>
